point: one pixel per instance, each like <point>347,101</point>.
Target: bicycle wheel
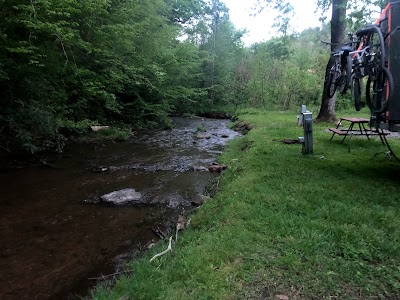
<point>331,77</point>
<point>356,88</point>
<point>345,76</point>
<point>379,91</point>
<point>375,60</point>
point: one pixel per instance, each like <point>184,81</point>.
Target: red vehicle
<point>389,22</point>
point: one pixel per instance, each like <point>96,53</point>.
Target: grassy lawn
<point>284,225</point>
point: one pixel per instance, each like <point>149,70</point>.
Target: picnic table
<point>359,130</point>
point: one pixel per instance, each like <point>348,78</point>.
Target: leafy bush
<point>31,127</point>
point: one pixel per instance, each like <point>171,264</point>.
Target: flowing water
<point>55,234</point>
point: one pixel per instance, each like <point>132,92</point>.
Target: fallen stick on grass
<point>110,275</point>
<point>165,251</point>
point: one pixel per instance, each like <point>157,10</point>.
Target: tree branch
<point>110,275</point>
<point>65,52</point>
<point>165,251</point>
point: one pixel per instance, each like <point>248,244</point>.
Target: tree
<point>68,64</point>
<point>360,13</point>
<point>223,50</point>
<point>338,30</point>
<point>184,12</point>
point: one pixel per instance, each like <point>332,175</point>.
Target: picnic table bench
<point>361,130</point>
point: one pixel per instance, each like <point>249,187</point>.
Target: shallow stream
<point>55,234</point>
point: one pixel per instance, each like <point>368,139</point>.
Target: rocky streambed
<point>57,227</point>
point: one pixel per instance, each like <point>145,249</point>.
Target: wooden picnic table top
<point>355,120</point>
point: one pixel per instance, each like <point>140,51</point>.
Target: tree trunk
<point>338,28</point>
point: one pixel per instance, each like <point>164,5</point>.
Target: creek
<point>54,232</point>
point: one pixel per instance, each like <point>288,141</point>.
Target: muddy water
<point>53,233</point>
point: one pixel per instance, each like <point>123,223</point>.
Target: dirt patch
<point>216,115</point>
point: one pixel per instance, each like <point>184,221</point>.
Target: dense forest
<point>66,65</point>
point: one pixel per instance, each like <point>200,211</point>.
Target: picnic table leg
<point>380,133</point>
<point>365,130</point>
<point>332,136</point>
<point>337,126</point>
<point>347,132</point>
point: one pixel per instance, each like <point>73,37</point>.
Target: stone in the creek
<point>98,128</point>
<point>199,168</point>
<point>100,169</point>
<point>206,136</point>
<point>216,167</point>
<point>123,197</point>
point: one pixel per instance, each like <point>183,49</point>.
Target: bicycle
<point>359,70</point>
<point>338,71</point>
<point>349,66</point>
<point>372,62</point>
<point>378,91</point>
<point>369,60</point>
<point>375,58</point>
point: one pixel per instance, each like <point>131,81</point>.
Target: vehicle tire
<point>331,77</point>
<point>379,91</point>
<point>356,88</point>
<point>345,76</point>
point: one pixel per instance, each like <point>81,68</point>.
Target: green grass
<point>113,134</point>
<point>201,128</point>
<point>322,226</point>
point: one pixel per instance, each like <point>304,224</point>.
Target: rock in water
<point>122,197</point>
<point>216,167</point>
<point>98,128</point>
<point>199,168</point>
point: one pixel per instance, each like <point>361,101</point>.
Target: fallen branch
<point>157,231</point>
<point>110,275</point>
<point>5,148</point>
<point>165,251</point>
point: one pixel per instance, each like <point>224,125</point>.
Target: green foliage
<point>344,102</point>
<point>112,133</point>
<point>222,53</point>
<point>77,128</point>
<point>67,63</point>
<point>185,12</point>
<point>201,128</point>
<point>33,125</point>
<point>364,12</point>
<point>284,75</point>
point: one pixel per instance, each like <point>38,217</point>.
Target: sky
<point>260,26</point>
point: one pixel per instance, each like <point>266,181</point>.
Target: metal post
<point>308,134</point>
<point>305,119</point>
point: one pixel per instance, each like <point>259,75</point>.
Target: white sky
<point>260,26</point>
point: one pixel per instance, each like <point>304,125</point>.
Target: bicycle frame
<point>358,61</point>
